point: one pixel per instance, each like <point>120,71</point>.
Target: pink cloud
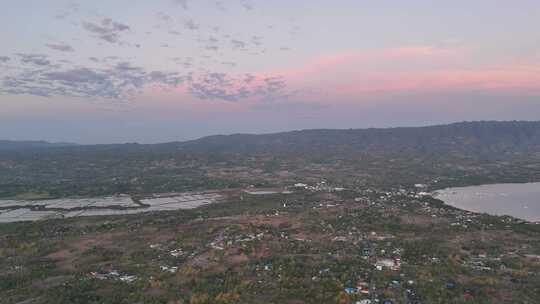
<point>417,68</point>
<point>354,75</point>
<point>368,58</point>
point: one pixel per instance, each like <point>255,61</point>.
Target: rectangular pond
<point>27,210</point>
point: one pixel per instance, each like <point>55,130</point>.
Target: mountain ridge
<point>45,143</point>
<point>6,144</point>
<point>474,139</point>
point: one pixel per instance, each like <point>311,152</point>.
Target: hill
<point>478,139</point>
<point>366,226</point>
<point>21,145</point>
<point>445,155</point>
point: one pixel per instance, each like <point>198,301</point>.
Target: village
<point>320,241</point>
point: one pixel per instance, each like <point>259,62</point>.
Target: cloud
<point>162,16</point>
<point>248,78</point>
<point>246,5</point>
<point>185,62</point>
<point>67,11</point>
<point>60,47</point>
<point>256,40</point>
<point>229,63</point>
<point>107,30</point>
<point>121,81</point>
<point>126,67</point>
<point>62,15</point>
<point>347,76</point>
<point>220,6</point>
<point>353,75</point>
<point>183,3</point>
<point>191,25</point>
<point>75,76</point>
<point>238,44</point>
<point>221,86</point>
<point>35,59</point>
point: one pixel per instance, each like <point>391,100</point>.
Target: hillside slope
<point>456,154</point>
<point>22,145</point>
<point>491,139</point>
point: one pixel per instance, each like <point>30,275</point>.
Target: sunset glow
<point>179,69</point>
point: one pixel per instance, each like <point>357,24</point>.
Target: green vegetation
<point>376,239</point>
<point>255,249</point>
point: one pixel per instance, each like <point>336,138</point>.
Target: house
<point>176,252</point>
<point>128,278</point>
<point>393,264</point>
<point>173,269</point>
<point>363,287</point>
<point>368,251</point>
<point>339,239</point>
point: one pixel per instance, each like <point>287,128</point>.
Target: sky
<point>115,71</point>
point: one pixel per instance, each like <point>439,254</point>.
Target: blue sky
<point>152,71</point>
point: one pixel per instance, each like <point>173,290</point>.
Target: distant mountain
<point>22,145</point>
<point>489,138</point>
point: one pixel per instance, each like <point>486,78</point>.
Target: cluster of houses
<point>362,288</point>
<point>177,252</point>
<point>369,292</point>
<point>320,186</point>
<point>221,242</point>
<point>113,275</point>
<point>464,220</point>
<point>171,269</point>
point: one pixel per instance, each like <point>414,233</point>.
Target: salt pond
<point>517,200</point>
<point>25,210</point>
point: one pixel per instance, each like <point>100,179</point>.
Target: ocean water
<point>517,200</point>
